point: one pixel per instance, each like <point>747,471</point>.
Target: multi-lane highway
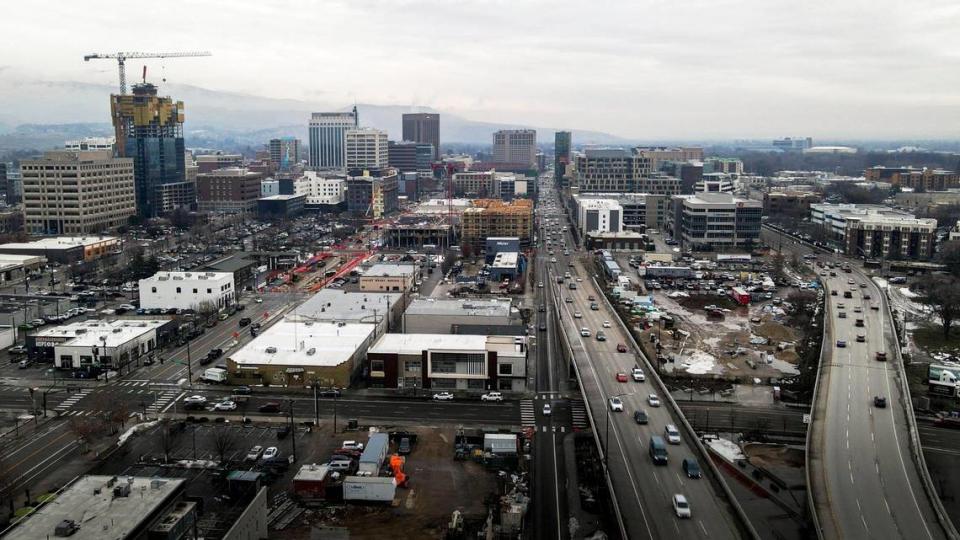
<point>864,479</point>
<point>865,482</point>
<point>643,490</point>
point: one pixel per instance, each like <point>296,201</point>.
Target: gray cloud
<point>644,68</point>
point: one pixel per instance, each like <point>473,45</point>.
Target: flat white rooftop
<point>90,333</point>
<point>343,306</point>
<point>392,270</point>
<point>60,242</point>
<point>189,276</point>
<point>414,344</point>
<point>100,515</point>
<point>290,343</point>
<point>506,259</point>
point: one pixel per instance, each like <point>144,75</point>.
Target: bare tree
<point>942,294</point>
<point>84,428</point>
<point>224,441</point>
<point>168,439</point>
<point>205,310</point>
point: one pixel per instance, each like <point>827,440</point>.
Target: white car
<point>352,445</point>
<point>553,259</point>
<point>198,400</point>
<point>540,285</point>
<point>638,375</point>
<point>492,396</point>
<point>616,405</point>
<point>673,436</point>
<point>225,406</point>
<point>653,400</point>
<point>258,300</point>
<point>585,332</point>
<point>128,307</point>
<point>577,315</point>
<point>606,324</point>
<point>546,409</point>
<point>680,506</point>
<point>254,453</point>
<point>579,280</point>
<point>270,453</point>
<point>443,396</point>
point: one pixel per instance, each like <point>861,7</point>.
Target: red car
<point>621,347</point>
<point>621,377</point>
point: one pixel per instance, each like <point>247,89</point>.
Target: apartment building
<point>919,179</point>
<point>321,191</point>
<point>655,155</point>
<point>515,146</point>
<point>776,203</point>
<point>366,148</point>
<point>715,221</point>
<point>493,217</point>
<point>639,211</point>
<point>875,231</point>
<point>77,193</point>
<point>230,190</point>
<point>730,166</point>
<point>489,184</point>
<point>409,156</point>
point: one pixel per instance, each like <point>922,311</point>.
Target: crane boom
<point>121,58</point>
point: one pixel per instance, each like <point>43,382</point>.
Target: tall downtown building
<point>562,141</point>
<point>515,146</point>
<point>328,138</point>
<point>149,129</point>
<point>423,128</point>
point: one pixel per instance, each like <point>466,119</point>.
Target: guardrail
<point>692,434</point>
<point>565,339</point>
<point>813,412</point>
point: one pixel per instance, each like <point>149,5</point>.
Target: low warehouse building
<point>300,352</point>
<point>187,290</point>
<point>98,344</point>
<point>389,277</point>
<point>431,316</point>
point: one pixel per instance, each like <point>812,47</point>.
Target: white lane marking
<point>556,490</point>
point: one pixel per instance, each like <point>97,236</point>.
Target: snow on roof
<point>322,344</point>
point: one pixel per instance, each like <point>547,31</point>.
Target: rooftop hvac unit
<point>117,330</point>
<point>311,351</point>
<point>271,350</point>
<point>81,331</point>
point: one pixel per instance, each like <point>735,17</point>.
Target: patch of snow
<point>699,363</point>
<point>198,464</point>
<point>134,429</point>
<point>882,283</point>
<point>728,450</point>
<point>908,293</point>
<point>783,367</point>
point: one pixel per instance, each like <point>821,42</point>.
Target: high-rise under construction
<point>149,129</point>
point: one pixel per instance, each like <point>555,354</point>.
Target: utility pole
<point>316,405</point>
<point>293,433</point>
<point>189,369</point>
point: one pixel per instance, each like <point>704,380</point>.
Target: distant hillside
<point>214,118</point>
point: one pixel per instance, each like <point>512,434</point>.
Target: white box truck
<point>369,488</point>
<point>215,376</point>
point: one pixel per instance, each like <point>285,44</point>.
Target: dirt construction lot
<point>746,342</point>
<point>438,486</point>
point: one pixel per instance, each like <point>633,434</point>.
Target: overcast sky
<point>641,69</point>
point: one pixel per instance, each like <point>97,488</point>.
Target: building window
<point>153,289</point>
<point>476,384</point>
<point>443,384</point>
<point>505,369</point>
<point>194,291</point>
<point>413,365</point>
<point>209,291</point>
<point>376,365</point>
<point>178,290</point>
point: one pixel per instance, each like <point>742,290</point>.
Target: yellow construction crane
<point>123,56</point>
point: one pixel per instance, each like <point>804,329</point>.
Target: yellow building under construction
<point>496,218</point>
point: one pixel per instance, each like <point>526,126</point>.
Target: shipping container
<point>740,296</point>
<point>310,482</point>
<point>369,488</point>
<point>374,453</point>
